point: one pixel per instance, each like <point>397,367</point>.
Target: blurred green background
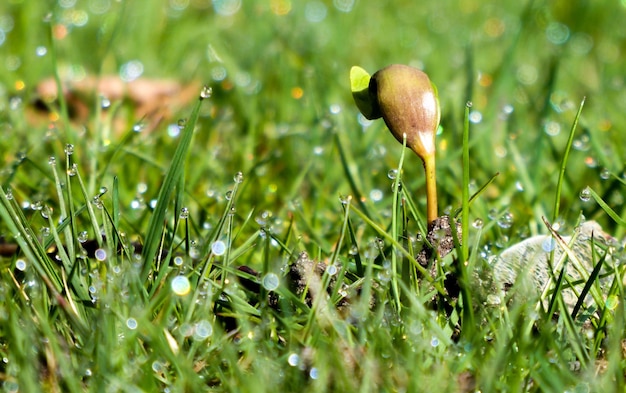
<point>279,71</point>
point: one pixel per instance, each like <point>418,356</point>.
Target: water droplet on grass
<point>552,128</point>
<point>270,281</point>
<point>585,194</point>
<point>605,174</point>
<point>131,323</point>
<point>293,360</point>
<point>228,195</point>
<point>475,117</point>
<point>181,285</point>
<point>45,232</point>
<point>376,195</point>
<point>392,174</point>
<point>332,270</point>
<point>434,342</point>
<point>582,143</point>
<point>52,161</point>
<point>203,330</point>
<point>506,220</point>
<point>218,247</point>
<point>100,254</point>
<point>72,170</point>
<point>238,178</point>
<point>46,211</point>
<point>335,109</point>
<point>314,373</point>
<point>69,149</point>
<point>345,199</point>
<point>477,223</point>
<point>184,213</point>
<point>105,103</point>
<point>138,127</point>
<point>20,265</point>
<point>206,92</point>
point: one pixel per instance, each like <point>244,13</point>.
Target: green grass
<point>314,178</point>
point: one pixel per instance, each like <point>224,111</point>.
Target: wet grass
<point>131,237</point>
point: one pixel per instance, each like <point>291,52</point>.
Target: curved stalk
<point>431,188</point>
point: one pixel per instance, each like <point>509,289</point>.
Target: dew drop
<point>434,342</point>
<point>46,211</point>
<point>9,194</point>
<point>186,330</point>
<point>552,128</point>
<point>184,213</point>
<point>477,223</point>
<point>392,174</point>
<point>69,149</point>
<point>181,285</point>
<point>131,323</point>
<point>228,195</point>
<point>138,127</point>
<point>41,51</point>
<point>335,109</point>
<point>206,92</point>
<point>376,195</point>
<point>293,360</point>
<point>20,265</point>
<point>270,281</point>
<point>519,186</point>
<point>585,194</point>
<point>582,143</point>
<point>181,123</point>
<point>71,171</point>
<point>157,367</point>
<point>100,254</point>
<point>475,117</point>
<point>52,161</point>
<point>331,270</point>
<point>45,232</point>
<point>218,247</point>
<point>83,236</point>
<point>354,250</point>
<point>506,220</point>
<point>203,330</point>
<point>605,174</point>
<point>314,373</point>
<point>97,202</point>
<point>105,103</point>
<point>469,104</point>
<point>238,178</point>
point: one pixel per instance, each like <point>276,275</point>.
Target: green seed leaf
<point>359,85</point>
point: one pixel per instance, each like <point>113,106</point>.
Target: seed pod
<point>408,103</point>
<point>406,99</point>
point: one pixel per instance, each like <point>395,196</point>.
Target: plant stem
<point>431,188</point>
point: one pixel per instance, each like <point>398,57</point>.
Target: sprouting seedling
<point>408,102</point>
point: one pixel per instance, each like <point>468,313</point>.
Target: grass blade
<point>172,178</point>
<point>568,147</point>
